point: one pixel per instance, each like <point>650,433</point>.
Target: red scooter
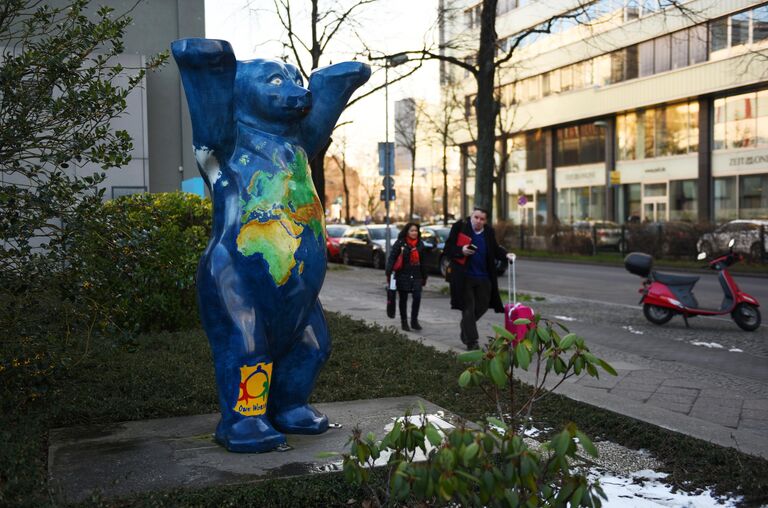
<point>665,295</point>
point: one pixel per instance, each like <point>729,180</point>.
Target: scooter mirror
<point>702,256</point>
<point>731,242</point>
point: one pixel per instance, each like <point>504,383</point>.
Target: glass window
<point>718,34</point>
<point>655,190</point>
<point>597,202</point>
<point>630,62</point>
<point>602,70</point>
<point>617,66</point>
<point>683,195</point>
<point>741,126</point>
<point>762,118</point>
<point>578,75</point>
<point>760,24</point>
<point>566,78</point>
<point>591,143</point>
<point>697,42</point>
<point>753,196</point>
<point>725,199</point>
<point>718,141</point>
<point>662,54</point>
<point>634,202</point>
<point>693,127</point>
<point>568,146</point>
<point>545,90</point>
<point>626,133</point>
<point>535,151</point>
<point>680,49</point>
<point>740,29</point>
<point>471,161</point>
<point>645,58</point>
<point>649,121</point>
<point>676,127</point>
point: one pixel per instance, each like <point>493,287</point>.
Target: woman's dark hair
<point>404,232</point>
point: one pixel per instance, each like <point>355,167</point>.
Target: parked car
<point>746,234</point>
<point>333,233</point>
<point>434,238</point>
<point>607,234</point>
<point>366,244</point>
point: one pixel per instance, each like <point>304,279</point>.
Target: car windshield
<point>381,233</point>
<point>336,231</point>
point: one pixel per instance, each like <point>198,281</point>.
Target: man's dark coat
<point>458,271</point>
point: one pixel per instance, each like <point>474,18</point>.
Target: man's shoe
<point>405,326</point>
<point>415,325</point>
<point>472,346</point>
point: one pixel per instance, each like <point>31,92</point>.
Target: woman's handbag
<point>398,263</point>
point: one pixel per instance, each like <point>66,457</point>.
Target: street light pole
<point>391,61</point>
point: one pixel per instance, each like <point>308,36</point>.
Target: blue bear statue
<point>255,129</point>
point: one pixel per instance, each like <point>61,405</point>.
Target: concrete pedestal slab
<point>153,455</point>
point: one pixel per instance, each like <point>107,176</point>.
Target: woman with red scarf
<point>412,275</point>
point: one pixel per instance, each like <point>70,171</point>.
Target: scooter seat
<point>674,280</point>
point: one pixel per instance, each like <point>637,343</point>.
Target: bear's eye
<point>277,80</point>
<point>299,82</point>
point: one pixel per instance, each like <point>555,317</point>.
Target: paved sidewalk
<point>724,408</point>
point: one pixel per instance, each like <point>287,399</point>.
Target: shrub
<point>139,259</point>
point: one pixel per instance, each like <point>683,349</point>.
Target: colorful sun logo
<point>253,389</point>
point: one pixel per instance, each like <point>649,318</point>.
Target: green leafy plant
<point>490,464</point>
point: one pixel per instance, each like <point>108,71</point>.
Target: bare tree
<point>372,197</point>
<point>488,56</point>
<point>341,161</point>
<point>441,125</point>
<point>334,21</point>
<point>407,135</point>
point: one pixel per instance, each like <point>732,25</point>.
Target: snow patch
<point>632,330</point>
<point>644,489</point>
<point>565,318</point>
<point>711,345</point>
<point>735,350</point>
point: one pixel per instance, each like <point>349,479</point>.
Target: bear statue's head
<point>270,95</point>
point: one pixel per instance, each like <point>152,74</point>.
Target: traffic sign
<point>388,182</point>
<point>392,195</point>
<point>615,177</point>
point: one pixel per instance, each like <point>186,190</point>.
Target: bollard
<point>522,237</point>
<point>623,240</point>
<point>594,239</point>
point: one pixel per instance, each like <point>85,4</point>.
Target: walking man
<point>473,250</point>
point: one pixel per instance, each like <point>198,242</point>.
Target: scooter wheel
<point>746,316</point>
<point>657,315</point>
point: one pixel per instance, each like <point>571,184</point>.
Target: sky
<point>388,26</point>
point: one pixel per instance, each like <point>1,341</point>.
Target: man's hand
<point>467,251</point>
<point>511,256</point>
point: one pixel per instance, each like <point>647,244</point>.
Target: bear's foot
<point>250,434</point>
<point>300,420</point>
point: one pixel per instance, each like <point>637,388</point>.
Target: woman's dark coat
<point>409,277</point>
<point>457,271</point>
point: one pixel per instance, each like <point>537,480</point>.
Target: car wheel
<point>378,260</point>
<point>657,315</point>
<point>755,252</point>
<point>345,258</point>
<point>444,266</point>
<point>746,316</point>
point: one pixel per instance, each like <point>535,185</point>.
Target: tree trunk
<point>413,178</point>
<point>318,173</point>
<point>486,109</point>
<point>445,182</point>
<point>499,179</point>
<point>345,186</point>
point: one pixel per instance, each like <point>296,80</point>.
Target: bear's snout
<point>301,102</point>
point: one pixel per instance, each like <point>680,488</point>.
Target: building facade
<point>156,115</point>
<point>627,111</point>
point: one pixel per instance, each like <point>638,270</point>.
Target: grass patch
<point>171,374</point>
<point>617,259</point>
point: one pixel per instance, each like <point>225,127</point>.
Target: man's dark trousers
<point>477,297</point>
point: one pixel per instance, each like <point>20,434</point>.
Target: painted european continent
<point>280,206</point>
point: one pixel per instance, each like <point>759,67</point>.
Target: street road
<point>614,284</point>
<point>709,381</point>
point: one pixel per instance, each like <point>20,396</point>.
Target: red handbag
<point>398,263</point>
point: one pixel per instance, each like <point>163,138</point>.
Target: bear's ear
<point>207,68</point>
